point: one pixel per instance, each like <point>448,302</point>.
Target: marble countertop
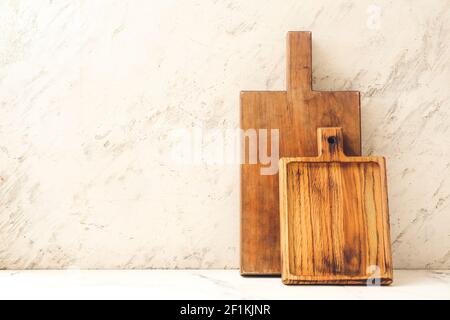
<point>205,284</point>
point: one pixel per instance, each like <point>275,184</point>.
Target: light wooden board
<point>297,113</point>
<point>334,217</point>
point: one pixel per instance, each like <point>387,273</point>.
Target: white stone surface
<point>89,90</point>
<point>207,284</point>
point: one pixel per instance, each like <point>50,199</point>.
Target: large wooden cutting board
<point>334,217</point>
<point>297,113</point>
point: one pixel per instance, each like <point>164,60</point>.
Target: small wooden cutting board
<point>296,113</point>
<point>334,217</point>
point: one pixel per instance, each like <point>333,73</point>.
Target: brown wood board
<point>334,217</point>
<point>296,113</point>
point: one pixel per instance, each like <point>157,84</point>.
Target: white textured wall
<point>88,90</point>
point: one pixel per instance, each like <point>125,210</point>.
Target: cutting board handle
<point>330,142</point>
<point>299,62</point>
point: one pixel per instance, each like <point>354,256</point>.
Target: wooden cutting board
<point>297,113</point>
<point>334,217</point>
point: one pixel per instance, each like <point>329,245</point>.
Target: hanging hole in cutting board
<point>332,140</point>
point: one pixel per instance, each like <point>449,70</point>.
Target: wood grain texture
<point>297,113</point>
<point>334,217</point>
